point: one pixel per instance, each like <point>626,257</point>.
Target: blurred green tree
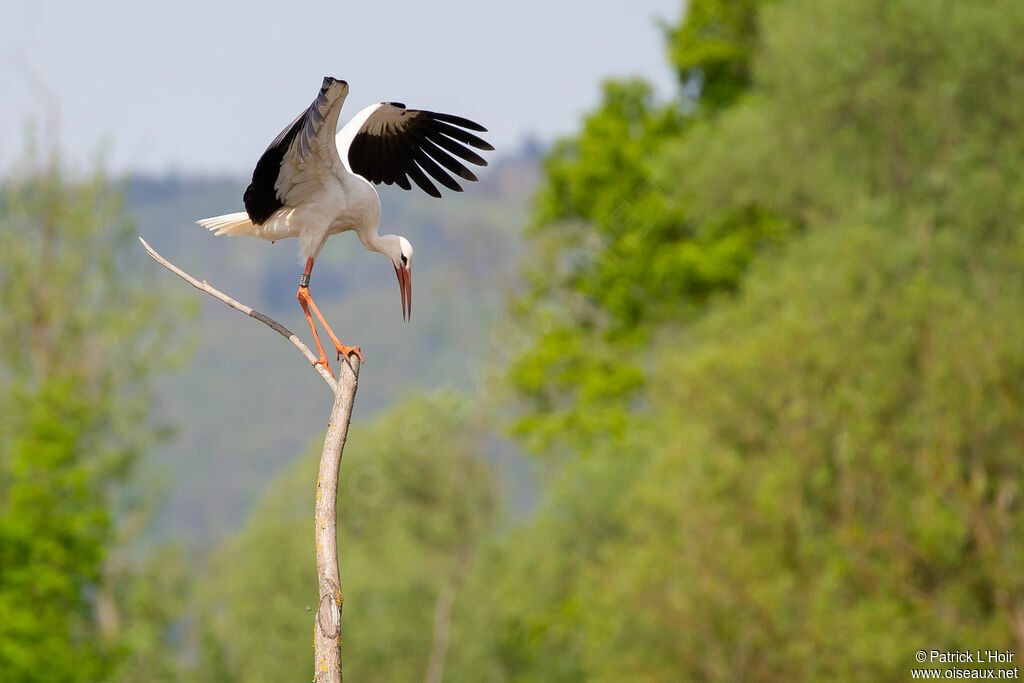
<point>712,49</point>
<point>80,336</point>
<point>614,251</point>
<point>876,111</point>
<point>837,473</point>
<point>616,255</point>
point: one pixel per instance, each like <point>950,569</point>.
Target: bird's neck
<point>372,240</point>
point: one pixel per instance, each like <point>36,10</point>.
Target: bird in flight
<point>311,183</point>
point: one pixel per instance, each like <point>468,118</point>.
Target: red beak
<point>405,285</point>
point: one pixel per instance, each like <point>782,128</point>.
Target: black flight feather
<point>461,135</point>
<point>435,171</point>
<point>458,150</point>
<point>459,121</point>
<point>396,145</point>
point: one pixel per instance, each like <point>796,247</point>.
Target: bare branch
<point>327,626</point>
<point>270,322</point>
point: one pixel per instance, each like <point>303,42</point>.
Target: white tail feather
<point>229,224</point>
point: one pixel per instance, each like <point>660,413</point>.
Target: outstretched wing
<point>289,161</point>
<point>387,143</point>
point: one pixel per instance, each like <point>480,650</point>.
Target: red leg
<point>339,347</point>
<point>306,299</point>
<point>312,328</point>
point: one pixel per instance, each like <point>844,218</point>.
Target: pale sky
<point>202,87</point>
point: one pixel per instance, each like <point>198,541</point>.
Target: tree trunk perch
<point>327,626</point>
<point>327,629</point>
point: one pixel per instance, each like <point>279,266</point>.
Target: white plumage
<point>229,224</point>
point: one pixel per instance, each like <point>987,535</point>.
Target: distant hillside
<point>245,404</point>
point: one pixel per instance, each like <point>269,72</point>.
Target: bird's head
<point>400,252</point>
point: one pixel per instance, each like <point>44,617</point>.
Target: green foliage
<point>615,252</point>
<point>78,339</point>
<point>895,111</point>
<point>54,528</point>
<point>152,594</point>
<point>597,214</point>
<point>414,501</point>
<point>712,48</point>
<point>832,483</point>
<point>525,615</point>
<point>820,470</point>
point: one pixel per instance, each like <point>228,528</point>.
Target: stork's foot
<point>346,351</point>
<point>327,366</point>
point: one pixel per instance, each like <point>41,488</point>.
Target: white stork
<point>312,184</point>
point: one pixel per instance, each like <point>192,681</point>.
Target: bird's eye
<point>404,260</point>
